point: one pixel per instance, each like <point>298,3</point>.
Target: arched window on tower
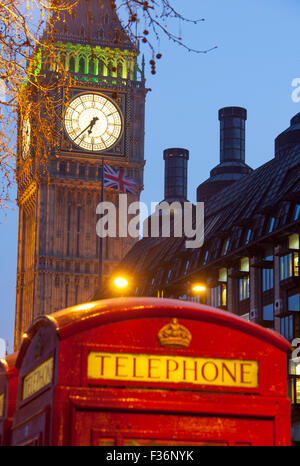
<point>82,65</point>
<point>109,69</point>
<point>92,66</point>
<point>120,70</point>
<point>63,60</point>
<point>100,68</point>
<point>72,64</point>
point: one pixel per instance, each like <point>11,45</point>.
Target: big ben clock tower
<point>101,118</point>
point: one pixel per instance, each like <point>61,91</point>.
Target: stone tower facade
<point>58,248</point>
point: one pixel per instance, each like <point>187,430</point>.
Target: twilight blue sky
<point>257,58</point>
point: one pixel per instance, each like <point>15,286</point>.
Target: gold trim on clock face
<point>93,122</point>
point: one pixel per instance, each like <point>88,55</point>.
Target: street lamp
<point>198,289</point>
<point>120,284</point>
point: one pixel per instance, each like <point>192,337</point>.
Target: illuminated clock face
<point>93,122</point>
<point>26,137</point>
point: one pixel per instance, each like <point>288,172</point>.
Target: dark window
<point>205,257</point>
<point>287,327</point>
<point>248,236</point>
<point>109,69</point>
<point>92,172</point>
<point>269,255</point>
<point>72,64</point>
<point>267,279</point>
<point>120,70</point>
<point>268,312</point>
<point>82,65</point>
<point>225,247</point>
<point>81,171</point>
<point>169,275</point>
<point>100,68</point>
<point>271,224</point>
<point>294,302</point>
<point>62,168</point>
<point>187,266</point>
<point>92,66</point>
<point>78,231</point>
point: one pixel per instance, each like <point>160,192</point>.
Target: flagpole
<point>101,233</point>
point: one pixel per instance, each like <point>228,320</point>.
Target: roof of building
<point>244,204</point>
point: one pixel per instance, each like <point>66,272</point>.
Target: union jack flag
<point>117,180</point>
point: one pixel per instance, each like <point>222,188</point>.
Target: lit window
<point>244,264</point>
<point>294,380</point>
<point>296,264</point>
<point>224,295</point>
<point>244,288</point>
<point>289,266</point>
<point>223,275</point>
<point>218,296</point>
<point>294,241</point>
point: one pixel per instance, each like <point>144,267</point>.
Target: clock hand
<point>91,124</point>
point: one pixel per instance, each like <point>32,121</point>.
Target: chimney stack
<point>232,164</point>
<point>232,133</point>
<point>176,162</point>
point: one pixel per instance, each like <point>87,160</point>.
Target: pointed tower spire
<point>91,22</point>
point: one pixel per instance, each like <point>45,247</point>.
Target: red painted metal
<point>8,391</point>
<point>74,409</point>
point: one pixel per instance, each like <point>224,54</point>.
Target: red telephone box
<point>146,371</point>
<point>8,396</point>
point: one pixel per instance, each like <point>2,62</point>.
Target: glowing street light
<point>197,288</point>
<point>120,283</point>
